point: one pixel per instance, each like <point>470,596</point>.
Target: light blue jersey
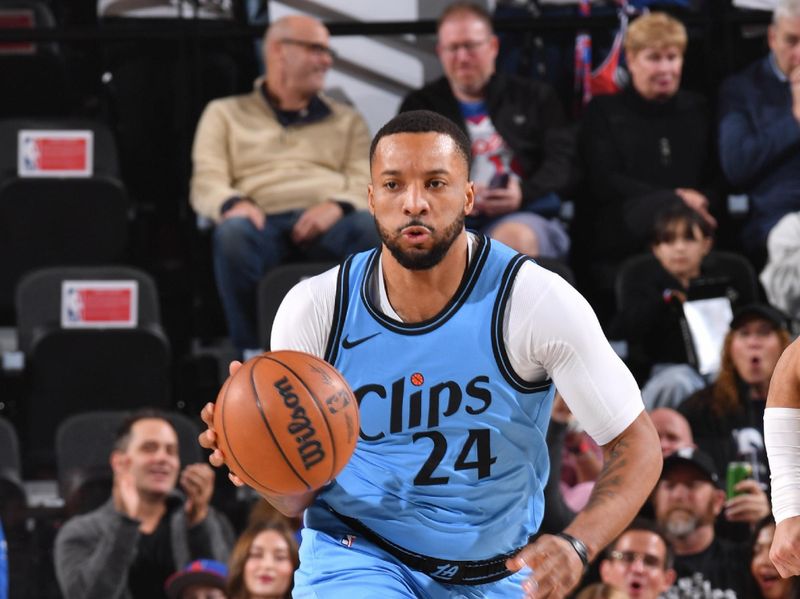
<point>451,460</point>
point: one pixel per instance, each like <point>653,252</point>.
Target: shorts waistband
<point>469,573</point>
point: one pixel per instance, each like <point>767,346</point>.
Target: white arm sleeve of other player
<point>782,438</point>
<point>550,329</point>
<point>303,320</point>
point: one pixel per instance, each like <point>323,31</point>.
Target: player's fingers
<point>233,367</point>
<point>207,414</point>
<point>207,439</point>
<point>216,458</point>
<point>235,479</point>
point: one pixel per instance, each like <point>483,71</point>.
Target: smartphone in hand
<point>499,181</point>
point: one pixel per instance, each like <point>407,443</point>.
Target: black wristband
<point>579,547</point>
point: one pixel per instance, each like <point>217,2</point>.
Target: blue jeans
<point>243,254</point>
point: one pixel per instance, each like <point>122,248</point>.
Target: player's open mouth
<point>415,233</point>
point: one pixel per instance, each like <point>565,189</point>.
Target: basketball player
<point>782,438</point>
<point>453,345</point>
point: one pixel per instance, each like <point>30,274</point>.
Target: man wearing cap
<point>686,501</point>
<point>782,436</point>
<point>727,416</point>
<point>201,579</point>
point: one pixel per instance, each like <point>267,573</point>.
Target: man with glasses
<point>639,562</point>
<point>687,500</point>
<point>282,171</point>
<point>521,148</point>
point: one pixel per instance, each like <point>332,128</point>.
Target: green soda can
<point>737,472</point>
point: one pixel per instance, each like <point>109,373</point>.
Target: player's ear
<point>371,199</point>
<point>469,193</point>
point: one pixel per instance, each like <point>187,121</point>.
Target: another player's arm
<point>782,437</point>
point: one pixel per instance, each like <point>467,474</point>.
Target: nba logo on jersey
<point>348,540</point>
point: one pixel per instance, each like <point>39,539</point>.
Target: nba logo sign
<point>99,304</point>
<point>45,153</point>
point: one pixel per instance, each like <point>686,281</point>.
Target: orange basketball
<point>286,422</point>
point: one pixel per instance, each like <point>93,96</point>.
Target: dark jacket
<point>94,551</point>
<point>528,116</point>
<point>759,145</point>
<point>636,153</point>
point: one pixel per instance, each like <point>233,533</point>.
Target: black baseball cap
<point>760,311</point>
<point>694,457</point>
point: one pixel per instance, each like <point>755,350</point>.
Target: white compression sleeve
<point>782,438</point>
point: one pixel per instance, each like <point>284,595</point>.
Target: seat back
<point>37,69</point>
<point>275,285</point>
<point>84,443</point>
<point>71,371</point>
<point>38,297</point>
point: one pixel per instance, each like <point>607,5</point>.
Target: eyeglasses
<point>470,47</point>
<point>630,557</point>
<point>313,47</point>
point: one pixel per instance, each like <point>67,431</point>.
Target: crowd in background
<point>282,173</point>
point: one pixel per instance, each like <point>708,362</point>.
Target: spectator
<point>639,562</point>
<point>282,171</point>
<point>263,562</point>
<point>201,579</point>
<point>727,417</point>
<point>673,430</point>
<point>768,583</point>
<point>759,130</point>
<point>127,548</point>
<point>644,149</point>
<point>781,275</point>
<point>651,317</point>
<point>521,147</point>
<point>686,502</point>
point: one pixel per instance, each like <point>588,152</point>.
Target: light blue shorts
<point>330,568</point>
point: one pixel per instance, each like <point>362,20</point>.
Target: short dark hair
<point>425,121</point>
<point>470,8</point>
<point>647,526</point>
<point>123,434</point>
<point>676,213</point>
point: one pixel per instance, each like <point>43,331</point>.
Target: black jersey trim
<point>468,283</point>
<point>498,345</point>
<point>339,311</point>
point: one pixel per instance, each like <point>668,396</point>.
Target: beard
<point>680,523</point>
<point>420,259</point>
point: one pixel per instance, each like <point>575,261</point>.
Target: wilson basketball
<point>286,422</point>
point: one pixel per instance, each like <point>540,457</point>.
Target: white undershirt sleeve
<point>551,330</point>
<point>303,321</point>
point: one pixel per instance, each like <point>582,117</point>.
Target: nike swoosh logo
<point>347,344</point>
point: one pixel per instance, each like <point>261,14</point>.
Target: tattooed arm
<point>631,468</point>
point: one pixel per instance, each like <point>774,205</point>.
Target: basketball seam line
<point>321,411</point>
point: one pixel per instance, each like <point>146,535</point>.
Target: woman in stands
<point>263,562</point>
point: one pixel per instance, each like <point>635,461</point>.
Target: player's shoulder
<point>316,286</point>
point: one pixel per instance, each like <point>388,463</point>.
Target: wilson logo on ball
<point>308,447</point>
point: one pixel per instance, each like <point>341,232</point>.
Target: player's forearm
<point>630,471</point>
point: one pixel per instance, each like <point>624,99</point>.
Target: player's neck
<point>418,295</point>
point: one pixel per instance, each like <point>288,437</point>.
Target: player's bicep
<point>596,385</point>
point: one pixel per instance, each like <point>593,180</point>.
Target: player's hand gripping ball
<point>286,422</point>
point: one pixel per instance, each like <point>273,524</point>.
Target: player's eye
<point>392,185</point>
<point>436,184</point>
